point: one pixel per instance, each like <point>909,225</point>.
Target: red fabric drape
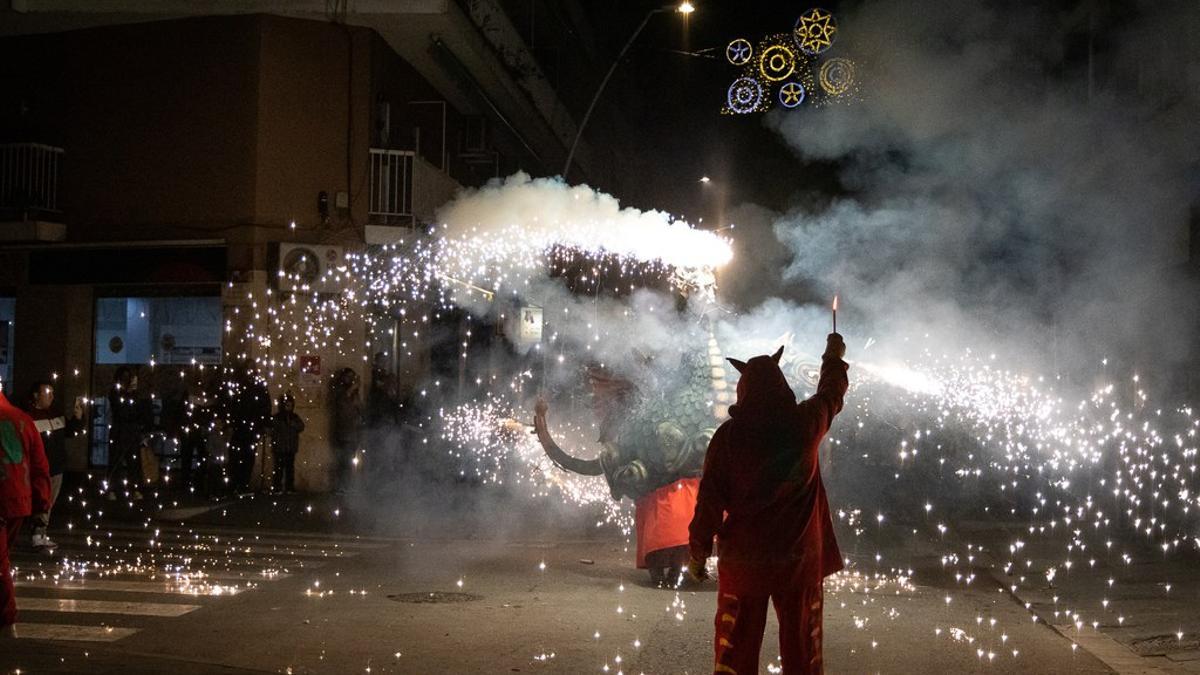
<point>662,517</point>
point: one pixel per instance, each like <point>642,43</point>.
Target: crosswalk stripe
<point>202,575</point>
<point>103,607</point>
<point>329,539</point>
<point>130,564</point>
<point>197,561</point>
<point>192,565</point>
<point>105,545</point>
<point>212,537</point>
<point>85,539</point>
<point>155,574</point>
<point>54,631</point>
<point>198,587</point>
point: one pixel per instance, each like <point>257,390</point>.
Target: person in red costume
<point>24,489</point>
<point>762,497</point>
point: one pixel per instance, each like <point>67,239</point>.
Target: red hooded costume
<point>761,496</point>
<point>24,489</point>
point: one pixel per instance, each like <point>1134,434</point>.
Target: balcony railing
<point>29,178</point>
<point>391,185</point>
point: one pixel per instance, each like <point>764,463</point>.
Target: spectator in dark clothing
<point>55,429</point>
<point>382,403</point>
<point>346,425</point>
<point>128,419</point>
<point>172,393</point>
<point>199,417</point>
<point>408,421</point>
<point>386,416</point>
<point>286,427</point>
<point>249,417</point>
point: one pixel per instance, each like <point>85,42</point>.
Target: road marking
<point>344,540</point>
<point>170,537</point>
<point>51,631</point>
<point>129,566</point>
<point>103,607</point>
<point>75,546</point>
<point>162,576</point>
<point>193,587</point>
<point>202,562</point>
<point>201,576</point>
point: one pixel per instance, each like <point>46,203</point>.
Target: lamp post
<point>684,8</point>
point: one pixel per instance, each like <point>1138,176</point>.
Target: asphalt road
<point>251,599</point>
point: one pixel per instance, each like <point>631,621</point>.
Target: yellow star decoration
<point>815,31</point>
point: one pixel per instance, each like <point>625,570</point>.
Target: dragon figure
<point>654,435</point>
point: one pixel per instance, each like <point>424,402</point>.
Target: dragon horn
<point>586,467</point>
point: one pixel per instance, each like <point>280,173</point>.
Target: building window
<point>141,331</point>
<point>161,339</point>
<point>8,307</point>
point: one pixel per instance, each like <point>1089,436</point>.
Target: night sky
<point>676,101</point>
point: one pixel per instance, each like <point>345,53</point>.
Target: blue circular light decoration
<point>745,95</point>
<point>739,52</point>
<point>791,94</point>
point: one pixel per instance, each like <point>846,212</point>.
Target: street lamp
<point>716,192</point>
<point>684,8</point>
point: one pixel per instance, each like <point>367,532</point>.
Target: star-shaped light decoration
<point>791,94</point>
<point>815,31</point>
<point>739,52</point>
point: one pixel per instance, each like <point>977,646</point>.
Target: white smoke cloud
<point>535,214</point>
<point>990,196</point>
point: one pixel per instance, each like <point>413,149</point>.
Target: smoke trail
<point>547,212</point>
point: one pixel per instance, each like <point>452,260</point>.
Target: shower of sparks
<point>490,445</point>
<point>1094,486</point>
<point>419,279</point>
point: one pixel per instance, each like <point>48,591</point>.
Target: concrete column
<point>53,341</point>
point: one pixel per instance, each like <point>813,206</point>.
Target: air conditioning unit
<point>310,268</point>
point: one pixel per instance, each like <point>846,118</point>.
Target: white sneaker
<point>9,631</point>
<point>44,543</point>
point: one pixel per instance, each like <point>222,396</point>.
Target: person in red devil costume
<point>24,489</point>
<point>762,497</point>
